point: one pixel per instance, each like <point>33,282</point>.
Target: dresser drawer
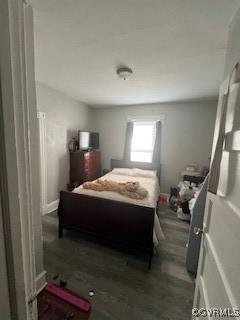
<point>91,173</point>
<point>84,166</point>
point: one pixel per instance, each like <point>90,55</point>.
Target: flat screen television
<point>88,140</point>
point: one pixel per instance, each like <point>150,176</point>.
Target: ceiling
<point>176,48</point>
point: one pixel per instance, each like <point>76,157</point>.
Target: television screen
<point>88,140</point>
<point>94,140</point>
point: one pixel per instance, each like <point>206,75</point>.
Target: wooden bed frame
<point>118,222</point>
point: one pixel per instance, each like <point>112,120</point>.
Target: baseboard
<point>40,281</point>
<point>50,207</point>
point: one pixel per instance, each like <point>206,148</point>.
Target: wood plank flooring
<point>124,288</point>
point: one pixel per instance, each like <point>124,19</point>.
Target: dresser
<point>84,166</point>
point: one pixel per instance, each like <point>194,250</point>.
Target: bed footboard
<point>119,222</point>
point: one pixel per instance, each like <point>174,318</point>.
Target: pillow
<point>123,171</point>
<point>144,173</point>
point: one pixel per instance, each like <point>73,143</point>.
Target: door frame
<point>6,308</point>
<point>15,160</point>
<point>43,159</point>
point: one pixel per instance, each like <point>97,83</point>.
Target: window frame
<point>150,150</point>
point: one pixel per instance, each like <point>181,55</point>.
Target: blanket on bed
<point>129,189</point>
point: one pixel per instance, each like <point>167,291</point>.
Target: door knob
<point>197,231</point>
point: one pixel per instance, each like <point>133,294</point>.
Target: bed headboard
<point>132,164</point>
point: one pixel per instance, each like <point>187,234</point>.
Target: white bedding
<point>149,183</point>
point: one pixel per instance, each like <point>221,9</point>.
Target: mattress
<point>149,183</point>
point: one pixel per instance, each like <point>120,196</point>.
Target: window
<point>143,139</point>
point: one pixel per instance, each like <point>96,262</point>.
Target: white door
<point>218,278</point>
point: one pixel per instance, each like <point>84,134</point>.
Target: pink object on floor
<point>68,297</point>
<point>163,200</point>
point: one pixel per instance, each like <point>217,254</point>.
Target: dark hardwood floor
<point>124,288</point>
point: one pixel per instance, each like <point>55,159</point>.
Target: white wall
<point>64,117</point>
<point>187,134</point>
<point>233,48</point>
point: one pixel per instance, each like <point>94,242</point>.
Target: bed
<point>122,221</point>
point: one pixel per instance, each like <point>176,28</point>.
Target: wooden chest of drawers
<point>84,166</point>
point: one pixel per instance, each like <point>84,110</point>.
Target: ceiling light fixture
<point>124,73</point>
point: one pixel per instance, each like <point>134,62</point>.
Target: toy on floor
<point>58,303</point>
<point>163,200</point>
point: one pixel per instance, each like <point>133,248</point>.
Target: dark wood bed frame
<point>119,222</point>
